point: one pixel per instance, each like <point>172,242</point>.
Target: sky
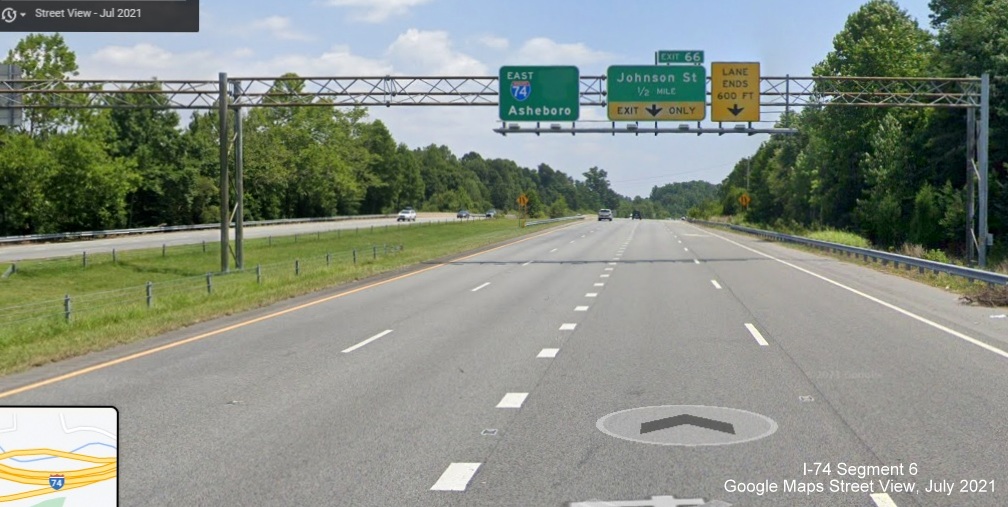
<point>256,38</point>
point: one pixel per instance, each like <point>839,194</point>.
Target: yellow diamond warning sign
<point>735,91</point>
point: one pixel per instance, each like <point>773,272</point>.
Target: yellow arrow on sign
<point>735,91</point>
<point>522,200</point>
<point>744,200</point>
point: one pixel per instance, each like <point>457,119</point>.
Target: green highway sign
<point>656,92</point>
<point>539,93</point>
<point>679,57</point>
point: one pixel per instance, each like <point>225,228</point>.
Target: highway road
<point>644,363</point>
<point>10,252</point>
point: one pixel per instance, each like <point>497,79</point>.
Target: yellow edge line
<point>137,355</point>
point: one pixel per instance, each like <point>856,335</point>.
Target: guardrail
<point>874,255</point>
<point>172,228</point>
<point>553,220</point>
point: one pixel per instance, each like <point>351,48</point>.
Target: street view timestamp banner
<point>99,16</point>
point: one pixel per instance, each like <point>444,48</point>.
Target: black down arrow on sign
<point>654,109</point>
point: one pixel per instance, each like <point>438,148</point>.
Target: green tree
<point>44,57</point>
<point>880,39</point>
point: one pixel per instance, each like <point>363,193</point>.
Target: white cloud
<point>544,51</point>
<point>431,52</point>
<point>280,27</point>
<point>123,62</point>
<point>337,61</point>
<point>376,11</point>
<point>494,42</point>
<point>119,61</point>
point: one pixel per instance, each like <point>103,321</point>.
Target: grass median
<point>54,309</point>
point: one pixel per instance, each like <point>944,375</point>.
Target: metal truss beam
<point>779,93</point>
<point>636,129</point>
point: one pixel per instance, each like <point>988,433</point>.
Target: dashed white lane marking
<point>874,299</point>
<point>547,353</point>
<point>696,261</point>
<point>603,276</point>
<point>882,500</point>
<point>716,285</point>
<point>686,249</point>
<point>512,400</point>
<point>365,342</point>
<point>480,287</point>
<point>680,241</point>
<point>608,269</point>
<point>571,242</point>
<point>756,334</point>
<point>600,284</point>
<point>583,235</point>
<point>612,263</point>
<point>553,250</point>
<point>567,326</point>
<point>527,263</point>
<point>591,295</point>
<point>456,477</point>
<point>580,308</point>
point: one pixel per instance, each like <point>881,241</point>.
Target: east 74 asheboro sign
<point>539,93</point>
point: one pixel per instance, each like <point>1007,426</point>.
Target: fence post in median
<point>386,248</point>
<point>337,234</point>
<point>355,256</point>
<point>258,274</point>
<point>328,259</point>
<point>150,294</point>
<point>114,259</point>
<point>209,283</point>
<point>297,266</point>
<point>204,246</point>
<point>164,248</point>
<point>85,258</point>
<point>66,307</point>
<point>374,252</point>
<point>271,240</point>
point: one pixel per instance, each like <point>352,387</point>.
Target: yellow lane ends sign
<point>735,91</point>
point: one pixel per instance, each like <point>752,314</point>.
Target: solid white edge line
<point>548,353</point>
<point>716,285</point>
<point>580,308</point>
<point>456,477</point>
<point>568,326</point>
<point>883,500</point>
<point>365,342</point>
<point>480,287</point>
<point>874,299</point>
<point>512,400</point>
<point>756,334</point>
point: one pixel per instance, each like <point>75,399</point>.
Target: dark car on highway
<point>462,214</point>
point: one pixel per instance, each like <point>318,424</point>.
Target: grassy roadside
<point>971,292</point>
<point>109,304</point>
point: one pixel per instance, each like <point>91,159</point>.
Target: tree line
<point>893,175</point>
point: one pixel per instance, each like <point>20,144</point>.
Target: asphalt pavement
<point>25,251</point>
<point>625,363</point>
